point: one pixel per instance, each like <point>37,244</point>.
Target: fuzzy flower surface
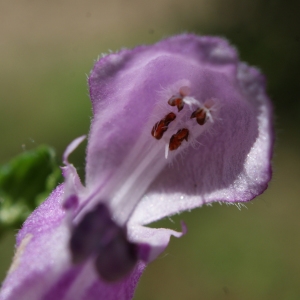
<point>176,125</point>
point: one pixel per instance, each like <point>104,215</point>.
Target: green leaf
<point>25,182</point>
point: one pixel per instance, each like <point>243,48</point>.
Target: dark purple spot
<point>71,202</point>
<point>97,235</point>
<point>144,251</point>
<point>117,258</point>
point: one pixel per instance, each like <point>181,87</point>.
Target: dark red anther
<point>169,118</point>
<point>200,115</point>
<point>161,127</point>
<point>177,100</point>
<point>177,138</point>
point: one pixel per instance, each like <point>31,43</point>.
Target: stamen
<point>162,126</point>
<point>200,115</point>
<point>166,151</point>
<point>177,99</point>
<point>177,139</point>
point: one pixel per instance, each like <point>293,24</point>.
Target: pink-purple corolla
<point>176,125</point>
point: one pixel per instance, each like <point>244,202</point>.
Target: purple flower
<point>176,125</point>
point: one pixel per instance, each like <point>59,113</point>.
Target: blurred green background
<point>46,50</point>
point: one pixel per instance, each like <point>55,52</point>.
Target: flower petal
<point>226,159</point>
<point>41,252</point>
<point>42,269</point>
<point>73,187</point>
<point>232,165</point>
<point>155,239</point>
